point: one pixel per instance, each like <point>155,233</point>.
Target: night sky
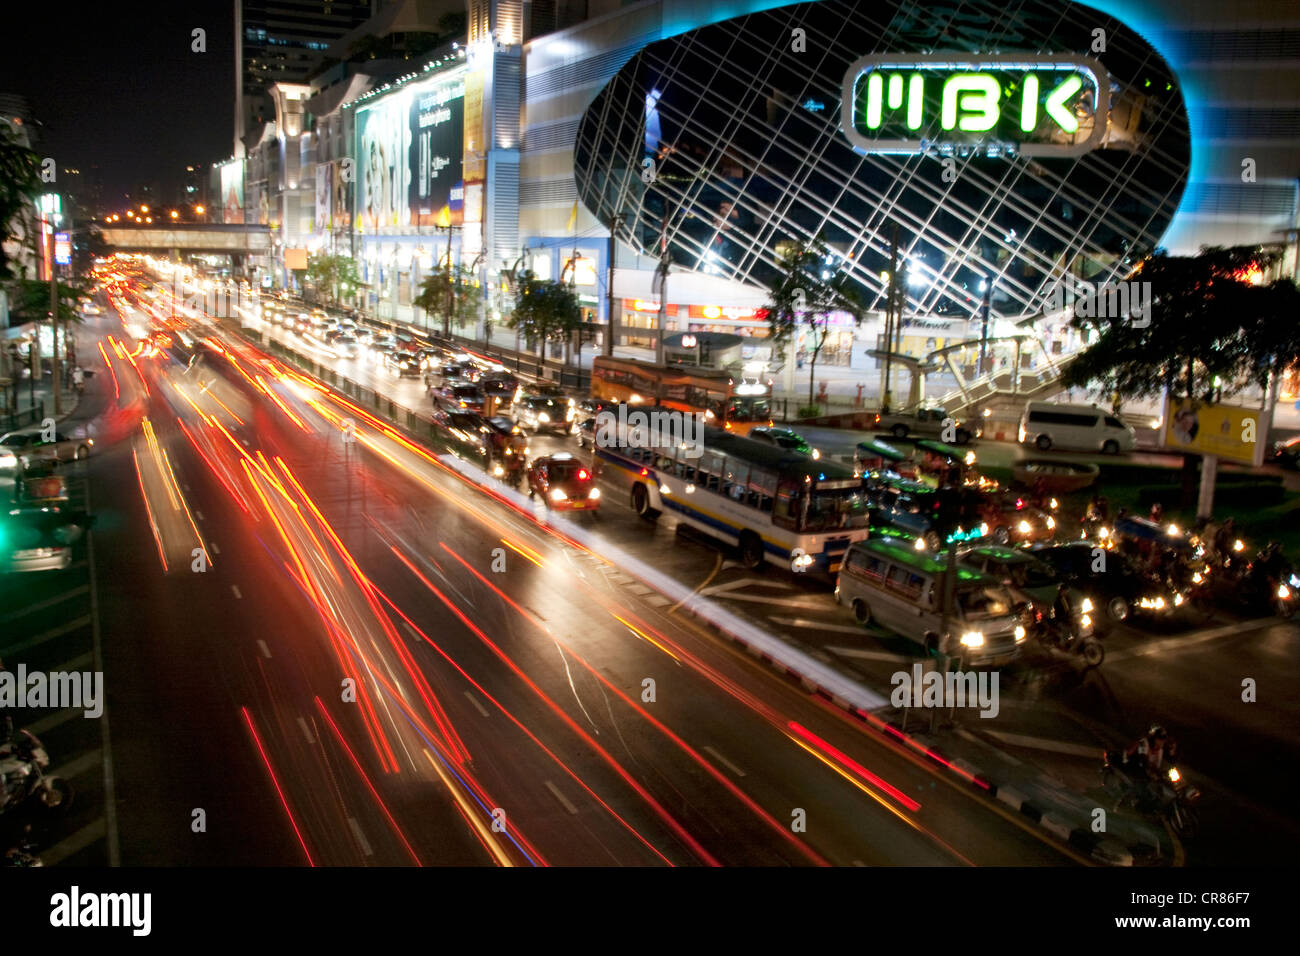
<point>123,89</point>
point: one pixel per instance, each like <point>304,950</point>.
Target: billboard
<point>409,151</point>
<point>324,197</point>
<point>1231,432</point>
<point>232,192</point>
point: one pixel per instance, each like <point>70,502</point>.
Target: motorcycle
<point>1169,796</point>
<point>22,853</point>
<point>1051,632</point>
<point>22,772</point>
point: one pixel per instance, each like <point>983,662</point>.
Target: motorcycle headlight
<point>557,494</point>
<point>1086,621</point>
<point>1051,522</point>
<point>498,470</point>
<point>1020,633</point>
<point>1197,578</point>
<point>543,417</point>
<point>1174,775</point>
<point>1178,599</point>
<point>1024,527</point>
<point>1086,606</point>
<point>1054,504</point>
<point>1283,591</point>
<point>1238,545</point>
<point>973,639</point>
<point>816,454</point>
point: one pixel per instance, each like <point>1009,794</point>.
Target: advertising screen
<point>232,191</point>
<point>409,160</point>
<point>1229,431</point>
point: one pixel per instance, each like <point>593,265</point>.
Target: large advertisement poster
<point>437,129</point>
<point>1229,431</point>
<point>340,205</point>
<point>324,196</point>
<point>410,146</point>
<point>232,191</point>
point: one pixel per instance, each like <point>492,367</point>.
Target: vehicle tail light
<point>582,474</point>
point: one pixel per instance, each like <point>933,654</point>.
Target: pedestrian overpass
<point>176,239</point>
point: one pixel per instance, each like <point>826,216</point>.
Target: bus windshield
<point>831,510</point>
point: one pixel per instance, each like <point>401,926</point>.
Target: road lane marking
<point>1195,637</point>
<point>75,843</point>
<point>235,588</point>
<point>746,582</point>
<point>361,837</point>
<point>42,605</point>
<point>866,655</point>
<point>474,700</point>
<point>199,514</point>
<point>564,801</point>
<point>809,602</point>
<point>818,625</point>
<point>16,649</point>
<point>215,549</point>
<point>1043,743</point>
<point>77,766</point>
<point>266,651</point>
<point>723,760</point>
<point>56,719</point>
<point>306,731</point>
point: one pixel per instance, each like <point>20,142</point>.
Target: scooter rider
<point>1151,752</point>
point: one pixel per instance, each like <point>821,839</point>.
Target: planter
<point>1060,477</point>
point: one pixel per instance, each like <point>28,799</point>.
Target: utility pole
<point>662,274</point>
<point>890,300</point>
<point>54,313</point>
<point>614,219</point>
<point>984,321</point>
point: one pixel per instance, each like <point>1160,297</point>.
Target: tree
<point>809,289</point>
<point>336,276</point>
<point>1208,330</point>
<point>545,310</point>
<point>29,300</point>
<point>20,183</point>
<point>452,292</point>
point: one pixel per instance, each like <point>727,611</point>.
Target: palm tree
<point>20,182</point>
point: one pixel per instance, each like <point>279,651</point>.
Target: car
<point>28,446</point>
<point>465,433</point>
<point>34,542</point>
<point>907,505</point>
<point>459,394</point>
<point>783,438</point>
<point>1012,519</point>
<point>539,413</point>
<point>930,422</point>
<point>1115,582</point>
<point>564,482</point>
<point>346,346</point>
<point>1029,575</point>
<point>402,364</point>
<point>1287,453</point>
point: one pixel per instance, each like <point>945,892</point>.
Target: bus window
<point>785,508</point>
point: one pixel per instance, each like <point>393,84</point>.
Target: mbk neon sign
<point>959,104</point>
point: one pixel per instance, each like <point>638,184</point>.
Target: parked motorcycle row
<point>28,795</point>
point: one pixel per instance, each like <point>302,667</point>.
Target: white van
<point>1087,427</point>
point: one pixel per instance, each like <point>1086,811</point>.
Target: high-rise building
<point>283,42</point>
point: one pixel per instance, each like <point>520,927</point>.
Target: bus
<point>726,403</point>
<point>773,504</point>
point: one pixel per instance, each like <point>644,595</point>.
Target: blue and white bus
<point>773,504</point>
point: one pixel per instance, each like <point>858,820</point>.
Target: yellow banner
<point>1229,431</point>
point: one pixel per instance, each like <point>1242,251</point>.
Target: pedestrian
<point>78,378</point>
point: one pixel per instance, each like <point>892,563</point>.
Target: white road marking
<point>75,843</point>
<point>361,837</point>
<point>1192,639</point>
<point>477,706</point>
<point>866,655</point>
<point>818,625</point>
<point>306,731</point>
<point>266,651</point>
<point>564,801</point>
<point>15,649</point>
<point>42,605</point>
<point>215,549</point>
<point>198,514</point>
<point>1042,743</point>
<point>235,588</point>
<point>746,582</point>
<point>723,760</point>
<point>809,602</point>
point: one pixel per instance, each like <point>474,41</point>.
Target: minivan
<point>1085,427</point>
<point>891,583</point>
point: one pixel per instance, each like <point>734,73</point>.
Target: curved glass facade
<point>725,142</point>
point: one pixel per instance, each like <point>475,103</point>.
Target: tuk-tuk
<point>876,456</point>
<point>1163,550</point>
<point>939,460</point>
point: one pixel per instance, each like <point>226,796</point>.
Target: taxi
<point>564,482</point>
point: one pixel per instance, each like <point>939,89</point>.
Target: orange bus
<point>726,403</point>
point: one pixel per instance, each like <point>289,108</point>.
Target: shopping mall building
<point>993,146</point>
